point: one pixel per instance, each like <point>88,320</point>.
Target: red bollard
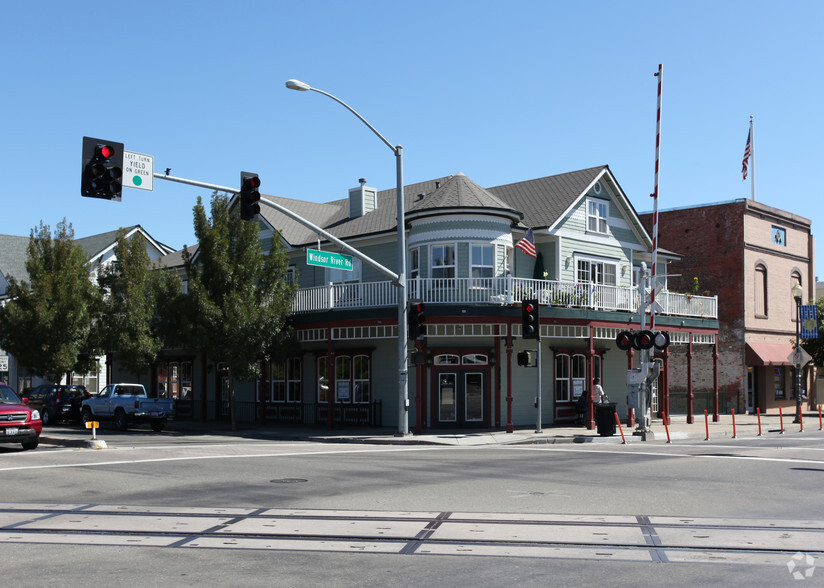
<point>631,417</point>
<point>801,420</point>
<point>758,411</point>
<point>781,419</point>
<point>617,420</point>
<point>820,423</point>
<point>733,422</point>
<point>666,428</point>
<point>706,425</point>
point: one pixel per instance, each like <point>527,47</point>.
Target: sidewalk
<point>746,426</point>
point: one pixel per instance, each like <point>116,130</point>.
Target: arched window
<point>761,307</point>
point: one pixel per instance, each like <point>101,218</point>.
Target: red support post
<point>666,428</point>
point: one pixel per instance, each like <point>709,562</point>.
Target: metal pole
<point>752,157</point>
<point>797,361</point>
<point>538,398</point>
<point>654,284</point>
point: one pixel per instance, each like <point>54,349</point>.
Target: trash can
<point>605,418</point>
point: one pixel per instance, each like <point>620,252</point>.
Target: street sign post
<point>328,259</point>
<point>138,171</point>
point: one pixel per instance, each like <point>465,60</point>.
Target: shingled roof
<point>542,202</point>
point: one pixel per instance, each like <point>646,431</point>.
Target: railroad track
<point>642,538</point>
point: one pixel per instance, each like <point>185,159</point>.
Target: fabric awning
<point>769,353</point>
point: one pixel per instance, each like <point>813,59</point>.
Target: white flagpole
<point>752,158</point>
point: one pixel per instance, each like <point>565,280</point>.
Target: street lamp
<point>403,376</point>
<point>798,293</point>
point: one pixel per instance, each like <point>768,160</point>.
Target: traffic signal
<point>102,171</point>
<point>530,317</point>
<point>525,358</point>
<point>416,316</point>
<point>625,340</point>
<point>249,196</point>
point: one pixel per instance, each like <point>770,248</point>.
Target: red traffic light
<point>105,151</point>
<point>625,340</point>
<point>254,182</point>
<point>644,340</point>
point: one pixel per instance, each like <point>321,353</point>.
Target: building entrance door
<point>750,390</point>
<point>460,399</point>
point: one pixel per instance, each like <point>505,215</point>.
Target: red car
<point>18,422</point>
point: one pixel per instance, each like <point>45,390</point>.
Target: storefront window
<point>778,379</point>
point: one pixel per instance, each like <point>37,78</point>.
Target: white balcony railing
<point>500,291</point>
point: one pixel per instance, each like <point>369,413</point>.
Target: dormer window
<point>597,216</point>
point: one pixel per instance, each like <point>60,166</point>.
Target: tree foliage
<point>240,297</point>
<point>131,322</point>
<point>46,323</point>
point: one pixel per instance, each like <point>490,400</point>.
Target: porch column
<point>509,428</point>
<point>715,381</point>
<point>690,396</point>
<point>590,384</point>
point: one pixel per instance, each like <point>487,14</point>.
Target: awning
<point>769,353</point>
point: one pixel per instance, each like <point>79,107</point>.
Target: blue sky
<point>502,92</point>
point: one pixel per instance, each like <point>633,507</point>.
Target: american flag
<point>527,244</point>
<point>747,154</point>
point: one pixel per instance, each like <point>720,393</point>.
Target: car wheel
<point>86,416</point>
<point>31,444</point>
<point>120,421</point>
<point>44,416</point>
<point>157,426</point>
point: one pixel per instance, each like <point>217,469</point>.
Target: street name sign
<point>138,171</point>
<point>328,259</point>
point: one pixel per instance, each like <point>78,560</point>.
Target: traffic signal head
<point>416,316</point>
<point>531,320</point>
<point>524,358</point>
<point>102,170</point>
<point>249,196</point>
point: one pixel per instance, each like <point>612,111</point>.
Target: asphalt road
<point>158,508</point>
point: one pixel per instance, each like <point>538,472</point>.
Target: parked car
<point>19,423</point>
<point>57,402</point>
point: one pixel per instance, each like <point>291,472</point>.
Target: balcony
<point>499,291</point>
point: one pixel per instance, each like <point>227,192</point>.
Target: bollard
<point>706,425</point>
<point>95,443</point>
<point>617,420</point>
<point>733,422</point>
<point>758,412</point>
<point>781,420</point>
<point>820,423</point>
<point>631,417</point>
<point>800,420</point>
<point>666,428</point>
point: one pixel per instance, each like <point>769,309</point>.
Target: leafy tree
<point>240,296</point>
<point>47,320</point>
<point>130,322</point>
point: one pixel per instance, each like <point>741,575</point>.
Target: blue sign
<point>809,321</point>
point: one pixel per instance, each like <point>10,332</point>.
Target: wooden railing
<point>500,291</point>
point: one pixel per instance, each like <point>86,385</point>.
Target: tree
<point>46,323</point>
<point>130,322</point>
<point>240,297</point>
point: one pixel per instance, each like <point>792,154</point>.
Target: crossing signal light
<point>531,320</point>
<point>249,196</point>
<point>661,340</point>
<point>416,315</point>
<point>102,172</point>
<point>625,340</point>
<point>644,340</point>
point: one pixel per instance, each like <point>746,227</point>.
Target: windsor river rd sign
<point>328,259</point>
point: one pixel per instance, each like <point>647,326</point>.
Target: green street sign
<point>328,259</point>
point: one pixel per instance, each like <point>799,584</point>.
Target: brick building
<point>750,255</point>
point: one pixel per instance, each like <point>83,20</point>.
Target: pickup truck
<point>126,404</point>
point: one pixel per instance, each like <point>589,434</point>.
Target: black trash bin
<point>605,418</point>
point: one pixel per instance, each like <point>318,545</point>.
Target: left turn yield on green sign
<point>138,170</point>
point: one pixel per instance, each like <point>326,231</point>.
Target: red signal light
<point>254,182</point>
<point>105,151</point>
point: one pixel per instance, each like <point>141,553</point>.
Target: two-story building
<point>463,263</point>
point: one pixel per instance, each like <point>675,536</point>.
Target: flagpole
<point>752,158</point>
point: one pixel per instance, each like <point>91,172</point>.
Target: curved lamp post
<point>798,293</point>
<point>403,376</point>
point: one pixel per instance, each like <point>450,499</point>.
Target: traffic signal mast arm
<point>348,248</point>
